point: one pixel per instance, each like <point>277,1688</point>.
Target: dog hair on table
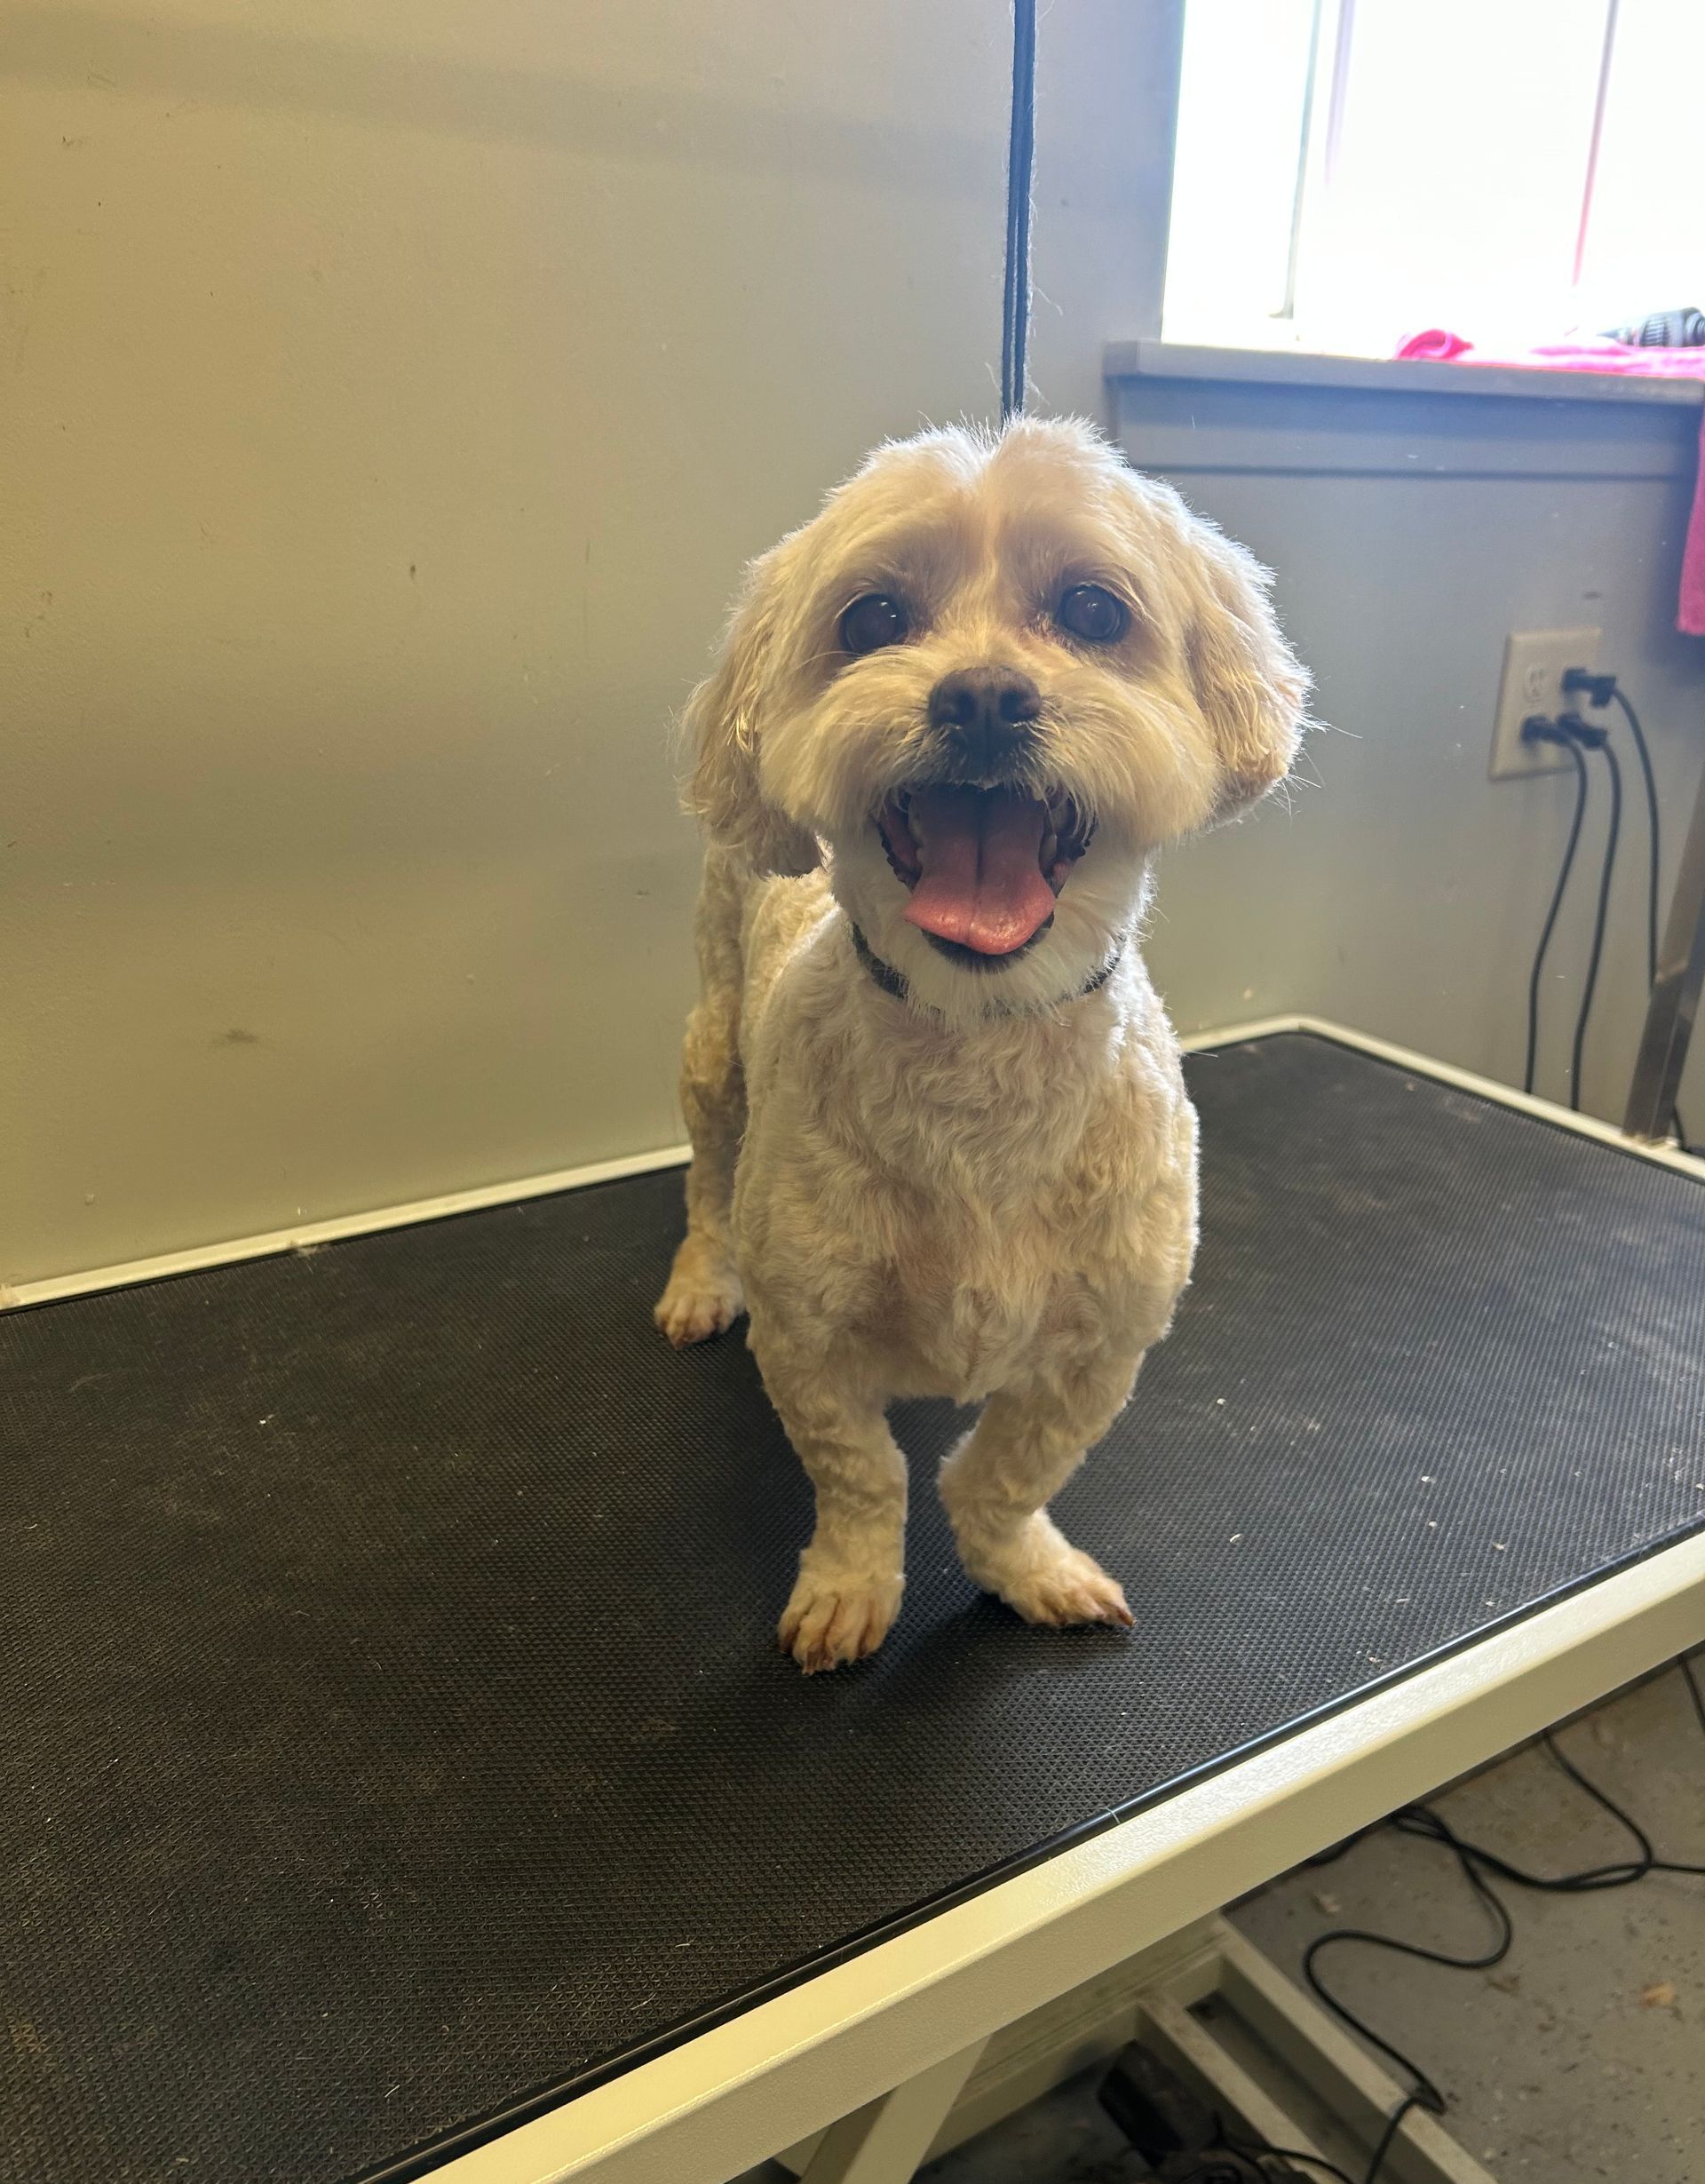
<point>940,1139</point>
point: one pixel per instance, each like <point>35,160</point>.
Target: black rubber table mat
<point>393,1733</point>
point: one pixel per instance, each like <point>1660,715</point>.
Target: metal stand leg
<point>1675,998</point>
<point>1356,2087</point>
<point>884,2142</point>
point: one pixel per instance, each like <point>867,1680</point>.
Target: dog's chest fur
<point>970,1209</point>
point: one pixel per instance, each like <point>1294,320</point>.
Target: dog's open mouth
<point>983,865</point>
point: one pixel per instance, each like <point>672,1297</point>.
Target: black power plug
<point>1598,689</point>
<point>1566,729</point>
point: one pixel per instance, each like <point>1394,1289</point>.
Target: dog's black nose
<point>988,715</point>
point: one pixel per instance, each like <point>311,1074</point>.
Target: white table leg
<point>884,2141</point>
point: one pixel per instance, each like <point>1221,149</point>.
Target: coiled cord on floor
<point>1478,1867</point>
<point>1245,2157</point>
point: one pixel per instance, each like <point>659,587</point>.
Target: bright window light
<point>1348,172</point>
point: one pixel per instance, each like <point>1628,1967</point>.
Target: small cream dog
<point>940,1139</point>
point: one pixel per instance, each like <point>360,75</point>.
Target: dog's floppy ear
<point>724,724</point>
<point>1251,688</point>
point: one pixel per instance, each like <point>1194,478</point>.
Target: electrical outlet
<point>1533,665</point>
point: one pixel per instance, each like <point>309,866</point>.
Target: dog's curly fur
<point>948,1178</point>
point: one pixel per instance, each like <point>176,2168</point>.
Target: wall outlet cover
<point>1534,662</point>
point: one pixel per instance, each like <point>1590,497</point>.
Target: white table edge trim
<point>307,1235</point>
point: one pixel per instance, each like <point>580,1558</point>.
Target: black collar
<point>895,984</point>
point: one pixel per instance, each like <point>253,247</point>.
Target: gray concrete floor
<point>1578,2060</point>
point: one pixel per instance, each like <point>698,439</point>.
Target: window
<point>1348,172</point>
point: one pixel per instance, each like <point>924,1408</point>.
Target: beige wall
<point>392,394</point>
<point>1399,890</point>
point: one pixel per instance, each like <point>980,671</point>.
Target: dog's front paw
<point>704,1296</point>
<point>1045,1579</point>
<point>834,1619</point>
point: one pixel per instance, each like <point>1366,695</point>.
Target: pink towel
<point>1599,353</point>
<point>1690,618</point>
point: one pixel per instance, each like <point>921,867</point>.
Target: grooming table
<point>397,1774</point>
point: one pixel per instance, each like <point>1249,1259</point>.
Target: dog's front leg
<point>850,1575</point>
<point>997,1484</point>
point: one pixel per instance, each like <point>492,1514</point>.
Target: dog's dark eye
<point>872,621</point>
<point>1095,615</point>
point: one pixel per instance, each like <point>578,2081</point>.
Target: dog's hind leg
<point>702,1296</point>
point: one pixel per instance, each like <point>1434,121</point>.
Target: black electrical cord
<point>1600,917</point>
<point>1567,866</point>
<point>1603,690</point>
<point>1394,2122</point>
<point>1653,835</point>
<point>1261,2154</point>
<point>1015,302</point>
<point>1424,2093</point>
<point>1476,1864</point>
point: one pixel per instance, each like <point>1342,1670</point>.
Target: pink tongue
<point>981,883</point>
